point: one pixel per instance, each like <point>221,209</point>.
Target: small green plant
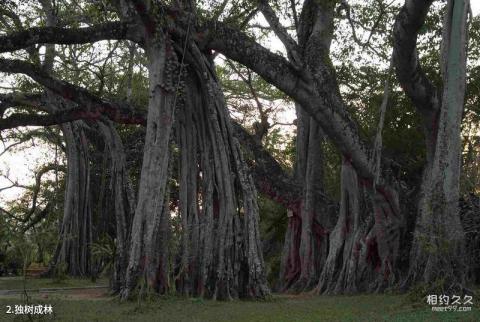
<point>104,251</point>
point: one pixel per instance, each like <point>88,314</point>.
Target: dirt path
<point>78,294</point>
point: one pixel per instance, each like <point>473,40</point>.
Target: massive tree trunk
<point>149,237</point>
<point>368,213</point>
<point>75,235</point>
<point>221,254</point>
<point>437,256</point>
<point>220,251</point>
<point>315,214</point>
<point>364,244</point>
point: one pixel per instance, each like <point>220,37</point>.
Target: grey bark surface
<point>221,254</point>
<point>364,245</point>
<point>150,223</point>
<point>437,255</point>
<point>76,227</point>
<point>121,194</point>
<point>302,264</point>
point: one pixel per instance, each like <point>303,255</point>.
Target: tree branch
<point>270,178</point>
<point>410,74</point>
<point>42,214</point>
<point>9,214</point>
<point>36,188</point>
<point>67,36</point>
<point>92,106</point>
<point>324,107</point>
<point>290,44</point>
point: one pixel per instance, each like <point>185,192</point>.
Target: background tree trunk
<point>364,245</point>
<point>306,248</point>
<point>122,199</point>
<point>76,227</point>
<point>306,240</point>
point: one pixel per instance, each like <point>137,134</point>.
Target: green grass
<point>279,309</point>
<point>10,283</point>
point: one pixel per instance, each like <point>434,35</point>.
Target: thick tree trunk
<point>149,237</point>
<point>315,215</point>
<point>364,244</point>
<point>75,236</point>
<point>221,254</point>
<point>437,256</point>
<point>220,251</point>
<point>290,266</point>
<point>301,267</point>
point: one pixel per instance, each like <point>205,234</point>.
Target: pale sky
<point>475,4</point>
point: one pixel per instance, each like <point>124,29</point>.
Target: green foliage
<point>21,252</point>
<point>104,250</point>
<point>281,146</point>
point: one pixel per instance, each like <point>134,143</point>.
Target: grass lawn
<point>281,308</point>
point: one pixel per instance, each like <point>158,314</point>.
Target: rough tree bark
<point>364,244</point>
<point>361,201</point>
<point>306,240</point>
<point>228,262</point>
<point>76,228</point>
<point>149,238</point>
<point>75,235</point>
<point>221,254</point>
<point>312,55</point>
<point>437,255</point>
<point>120,193</point>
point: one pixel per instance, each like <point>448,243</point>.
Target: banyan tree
<point>202,171</point>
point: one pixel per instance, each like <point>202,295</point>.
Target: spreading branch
<point>67,36</point>
<point>92,106</point>
<point>326,109</point>
<point>267,170</point>
<point>410,74</point>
